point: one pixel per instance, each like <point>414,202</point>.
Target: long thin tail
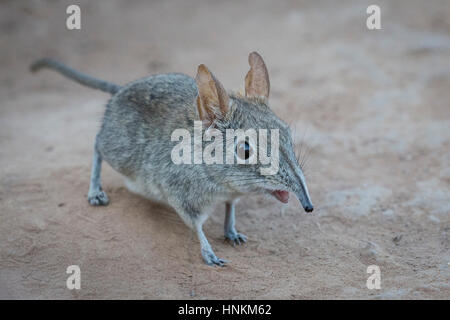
<point>75,75</point>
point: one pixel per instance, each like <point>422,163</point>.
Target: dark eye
<point>243,150</point>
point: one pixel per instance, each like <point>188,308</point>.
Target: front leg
<point>229,226</point>
<point>195,221</point>
<point>208,254</point>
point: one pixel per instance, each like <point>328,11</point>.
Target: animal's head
<point>265,136</point>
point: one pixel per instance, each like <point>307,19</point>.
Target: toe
<point>98,199</point>
<point>236,238</point>
<point>211,259</point>
<point>220,262</point>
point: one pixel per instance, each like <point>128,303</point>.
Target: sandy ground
<point>370,108</point>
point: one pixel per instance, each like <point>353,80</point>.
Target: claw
<point>98,198</point>
<point>211,259</point>
<point>236,238</point>
<point>220,262</point>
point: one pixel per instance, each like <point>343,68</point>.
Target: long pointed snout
<point>307,204</point>
<point>305,200</point>
<point>302,193</point>
<point>298,183</point>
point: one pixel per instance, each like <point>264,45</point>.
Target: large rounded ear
<point>212,100</point>
<point>257,82</point>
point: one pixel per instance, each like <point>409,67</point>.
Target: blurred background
<point>369,108</point>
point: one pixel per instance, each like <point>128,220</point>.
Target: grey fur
<point>135,139</point>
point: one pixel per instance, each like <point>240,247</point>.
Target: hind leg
<point>96,196</point>
<point>229,226</point>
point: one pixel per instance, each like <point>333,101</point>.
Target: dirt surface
<point>370,109</point>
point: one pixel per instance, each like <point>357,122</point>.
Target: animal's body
<point>135,139</point>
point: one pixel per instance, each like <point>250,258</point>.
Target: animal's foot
<point>211,259</point>
<point>98,198</point>
<point>235,238</point>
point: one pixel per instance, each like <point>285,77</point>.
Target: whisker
<point>300,151</point>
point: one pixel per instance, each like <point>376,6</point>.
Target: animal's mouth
<point>281,195</point>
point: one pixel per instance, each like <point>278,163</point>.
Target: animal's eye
<point>243,150</point>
